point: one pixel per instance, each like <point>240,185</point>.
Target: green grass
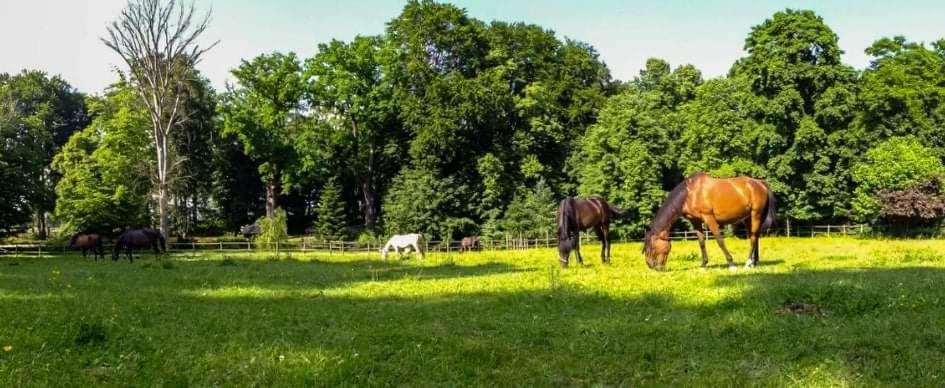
<point>872,313</point>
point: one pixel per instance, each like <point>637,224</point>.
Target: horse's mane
<point>670,210</point>
<point>565,215</point>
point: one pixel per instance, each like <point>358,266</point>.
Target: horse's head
<point>566,244</point>
<point>656,247</point>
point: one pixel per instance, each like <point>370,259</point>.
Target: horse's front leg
<point>714,227</point>
<point>577,247</point>
<point>700,235</point>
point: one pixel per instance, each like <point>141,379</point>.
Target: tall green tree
<point>352,88</point>
<point>45,111</point>
<point>193,145</point>
<point>902,93</point>
<point>263,111</point>
<point>105,167</point>
<point>331,223</point>
<point>807,102</point>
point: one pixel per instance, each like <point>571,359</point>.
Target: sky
<point>61,37</point>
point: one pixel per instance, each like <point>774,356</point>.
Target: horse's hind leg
<point>604,248</point>
<point>754,229</point>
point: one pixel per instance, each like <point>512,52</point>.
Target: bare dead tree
<point>157,40</point>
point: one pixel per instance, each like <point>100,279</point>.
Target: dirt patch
<point>800,308</point>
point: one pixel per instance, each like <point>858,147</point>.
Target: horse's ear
<point>646,228</point>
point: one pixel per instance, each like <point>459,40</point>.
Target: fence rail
<point>509,242</point>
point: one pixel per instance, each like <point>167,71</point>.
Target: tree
<point>330,224</point>
<point>193,145</point>
<point>263,111</point>
<point>894,164</point>
<point>902,93</point>
<point>421,202</point>
<point>807,101</point>
<point>629,156</point>
<point>105,180</point>
<point>532,212</point>
<point>19,162</point>
<point>237,187</point>
<point>47,110</point>
<point>352,87</point>
<point>158,43</point>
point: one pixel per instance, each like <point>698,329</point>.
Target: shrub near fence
<point>507,242</point>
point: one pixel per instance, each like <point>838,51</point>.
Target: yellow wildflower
<point>8,348</point>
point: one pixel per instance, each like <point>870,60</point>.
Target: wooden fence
<point>508,242</point>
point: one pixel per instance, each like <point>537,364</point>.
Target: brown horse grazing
<point>715,202</point>
<point>88,242</point>
<point>579,214</point>
<point>469,243</point>
<point>139,238</point>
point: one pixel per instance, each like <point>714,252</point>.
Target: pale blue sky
<point>61,36</point>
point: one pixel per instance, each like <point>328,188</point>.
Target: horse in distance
<point>578,214</point>
<point>470,243</point>
<point>140,239</point>
<point>88,242</point>
<point>404,241</point>
<point>701,199</point>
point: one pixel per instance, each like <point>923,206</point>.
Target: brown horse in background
<point>139,238</point>
<point>88,242</point>
<point>470,243</point>
<point>578,214</point>
<point>715,202</point>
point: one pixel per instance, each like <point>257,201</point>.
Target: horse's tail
<point>768,214</point>
<point>616,212</point>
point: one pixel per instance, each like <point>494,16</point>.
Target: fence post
<point>828,230</point>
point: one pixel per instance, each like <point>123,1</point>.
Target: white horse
<point>405,241</point>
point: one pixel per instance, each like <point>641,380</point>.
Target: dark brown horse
<point>88,242</point>
<point>470,243</point>
<point>715,202</point>
<point>139,238</point>
<point>578,214</point>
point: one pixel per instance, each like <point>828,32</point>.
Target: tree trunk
<point>370,203</point>
<point>42,231</point>
<point>272,195</point>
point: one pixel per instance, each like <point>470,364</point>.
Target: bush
<point>894,164</point>
<point>274,230</point>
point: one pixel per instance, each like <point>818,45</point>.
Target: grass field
<point>818,312</point>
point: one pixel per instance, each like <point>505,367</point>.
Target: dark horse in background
<point>88,242</point>
<point>578,214</point>
<point>715,202</point>
<point>139,238</point>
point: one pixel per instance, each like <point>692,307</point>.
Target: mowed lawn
<point>818,312</point>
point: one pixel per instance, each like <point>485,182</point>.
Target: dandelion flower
<point>8,348</point>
